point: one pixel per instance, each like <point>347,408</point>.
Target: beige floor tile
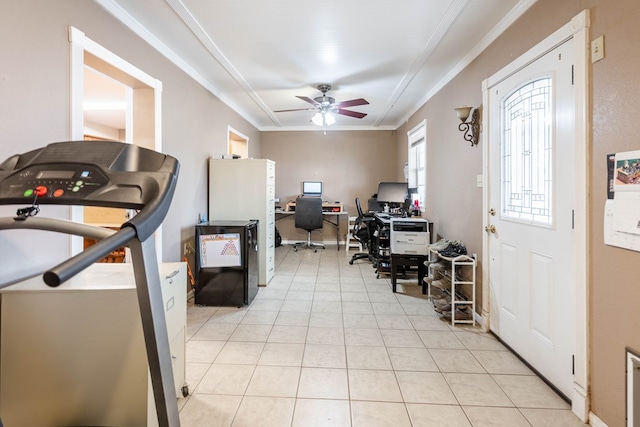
<point>288,334</point>
<point>225,379</point>
<point>501,362</point>
<point>200,314</point>
<point>393,321</point>
<point>456,361</point>
<point>427,415</point>
<point>240,353</point>
<point>428,323</point>
<point>215,331</point>
<point>327,306</point>
<point>495,417</point>
<point>367,357</point>
<point>329,320</point>
<point>479,341</point>
<point>271,293</point>
<point>401,338</point>
<point>348,295</point>
<point>292,318</point>
<point>328,286</point>
<point>212,410</point>
<point>253,333</point>
<point>552,417</point>
<point>258,317</point>
<point>529,392</point>
<point>282,354</point>
<point>228,315</point>
<point>321,413</point>
<point>274,381</point>
<point>266,305</point>
<point>362,307</point>
<point>373,385</point>
<point>263,412</point>
<point>202,351</point>
<point>326,296</point>
<point>324,356</point>
<point>356,336</point>
<point>411,359</point>
<point>417,309</point>
<point>194,372</point>
<point>381,295</point>
<point>477,390</point>
<point>353,288</point>
<point>299,295</point>
<point>387,308</point>
<point>322,335</point>
<point>425,387</point>
<point>296,306</point>
<point>441,339</point>
<point>323,383</point>
<point>379,414</point>
<point>357,320</point>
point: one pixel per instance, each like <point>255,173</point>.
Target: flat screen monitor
<point>312,188</point>
<point>392,192</point>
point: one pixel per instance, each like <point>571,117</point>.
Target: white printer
<point>409,236</point>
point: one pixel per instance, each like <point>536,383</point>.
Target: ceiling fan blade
<point>295,109</point>
<point>350,113</point>
<point>307,99</point>
<point>352,103</point>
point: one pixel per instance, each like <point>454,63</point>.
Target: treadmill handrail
<point>74,265</point>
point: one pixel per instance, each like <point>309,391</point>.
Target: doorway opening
<point>111,99</point>
<point>238,143</point>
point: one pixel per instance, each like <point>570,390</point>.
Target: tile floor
<point>328,344</point>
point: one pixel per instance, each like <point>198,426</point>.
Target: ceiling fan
<point>326,106</point>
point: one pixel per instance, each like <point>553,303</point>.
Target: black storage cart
<point>226,263</point>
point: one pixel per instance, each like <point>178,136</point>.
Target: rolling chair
<point>360,233</point>
<point>309,217</point>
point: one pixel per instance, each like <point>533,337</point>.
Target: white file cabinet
<point>75,355</point>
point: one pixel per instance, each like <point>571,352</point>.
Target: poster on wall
<point>220,250</point>
<point>622,208</point>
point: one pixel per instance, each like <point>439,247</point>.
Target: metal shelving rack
<point>458,299</point>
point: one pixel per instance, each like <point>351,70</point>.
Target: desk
<point>326,216</point>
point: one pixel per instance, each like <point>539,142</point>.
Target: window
<point>417,161</point>
<point>527,154</point>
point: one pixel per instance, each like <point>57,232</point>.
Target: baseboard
<point>580,403</point>
<point>595,421</point>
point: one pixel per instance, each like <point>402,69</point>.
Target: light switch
<point>597,49</point>
<point>479,181</point>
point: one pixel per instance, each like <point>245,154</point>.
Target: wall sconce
<point>471,129</point>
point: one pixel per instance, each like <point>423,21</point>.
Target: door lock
<point>490,228</point>
<point>492,212</point>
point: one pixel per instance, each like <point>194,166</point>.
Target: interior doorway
<point>238,143</point>
<point>111,99</point>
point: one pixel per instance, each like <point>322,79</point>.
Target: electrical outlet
<point>597,49</point>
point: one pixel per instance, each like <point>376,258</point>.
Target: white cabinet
<point>243,189</point>
<point>448,275</point>
<point>75,355</point>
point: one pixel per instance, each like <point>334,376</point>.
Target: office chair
<point>308,217</point>
<point>360,233</point>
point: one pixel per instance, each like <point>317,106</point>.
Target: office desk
<point>326,216</point>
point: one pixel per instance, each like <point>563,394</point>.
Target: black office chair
<point>360,233</point>
<point>309,218</point>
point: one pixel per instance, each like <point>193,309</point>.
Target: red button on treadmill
<point>41,190</point>
<point>59,192</point>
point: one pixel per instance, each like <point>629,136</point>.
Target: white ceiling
<point>257,55</point>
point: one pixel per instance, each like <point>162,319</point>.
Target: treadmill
<point>104,174</point>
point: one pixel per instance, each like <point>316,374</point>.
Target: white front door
<point>531,200</point>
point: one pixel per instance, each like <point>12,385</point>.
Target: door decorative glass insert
<point>527,153</point>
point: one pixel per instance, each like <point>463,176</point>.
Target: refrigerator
<point>226,262</point>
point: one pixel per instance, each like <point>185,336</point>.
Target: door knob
<point>490,228</point>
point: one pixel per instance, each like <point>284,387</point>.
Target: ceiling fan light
<point>317,119</point>
<point>329,119</point>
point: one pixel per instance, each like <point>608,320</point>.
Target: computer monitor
<point>392,192</point>
<point>312,188</point>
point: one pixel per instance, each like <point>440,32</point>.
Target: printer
<point>409,236</point>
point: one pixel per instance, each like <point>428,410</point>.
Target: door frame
<point>578,30</point>
<point>147,103</point>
